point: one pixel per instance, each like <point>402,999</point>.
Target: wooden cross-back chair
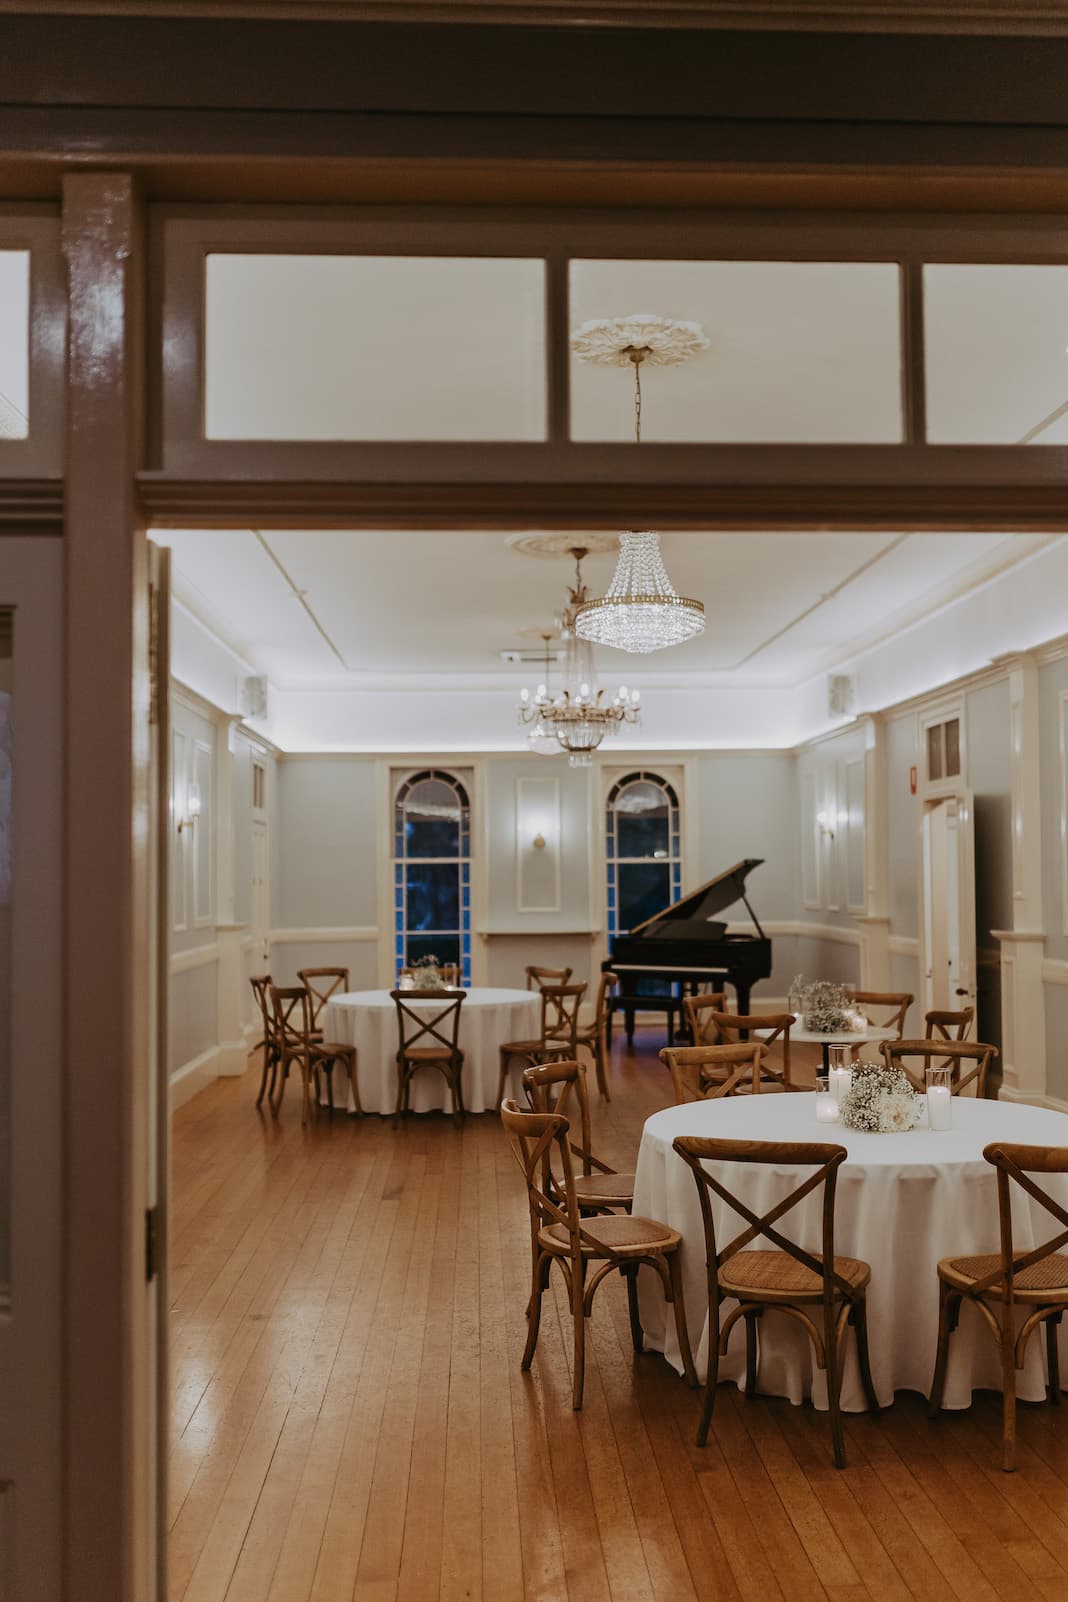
<point>895,1004</point>
<point>594,1036</point>
<point>704,1073</point>
<point>824,1293</point>
<point>559,1234</point>
<point>1014,1290</point>
<point>956,1055</point>
<point>733,1027</point>
<point>268,1044</point>
<point>321,984</point>
<point>439,1033</point>
<point>559,1033</point>
<point>695,1013</point>
<point>538,977</point>
<point>560,1087</point>
<point>291,1005</point>
<point>937,1025</point>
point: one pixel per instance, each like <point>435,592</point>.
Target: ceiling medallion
<point>642,611</point>
<point>577,718</point>
<point>548,544</point>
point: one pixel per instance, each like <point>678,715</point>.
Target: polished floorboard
<point>350,1420</point>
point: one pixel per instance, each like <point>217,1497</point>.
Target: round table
<point>367,1019</point>
<point>903,1202</point>
<point>840,1037</point>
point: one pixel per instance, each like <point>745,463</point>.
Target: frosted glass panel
<point>14,343</point>
<point>800,352</point>
<point>6,915</point>
<point>374,348</point>
<point>997,367</point>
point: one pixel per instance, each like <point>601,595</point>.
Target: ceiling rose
<point>614,341</point>
<point>541,543</point>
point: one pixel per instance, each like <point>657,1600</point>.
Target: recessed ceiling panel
<point>799,352</point>
<point>14,343</point>
<point>997,354</point>
<point>374,348</point>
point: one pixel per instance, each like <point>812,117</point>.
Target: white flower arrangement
<point>880,1101</point>
<point>609,341</point>
<point>824,1007</point>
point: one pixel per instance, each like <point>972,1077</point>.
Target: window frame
<point>399,862</point>
<point>612,861</point>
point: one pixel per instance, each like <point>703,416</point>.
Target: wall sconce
<point>192,806</point>
<point>538,841</point>
<point>826,821</point>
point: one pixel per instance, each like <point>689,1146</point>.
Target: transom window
<point>643,850</point>
<point>432,871</point>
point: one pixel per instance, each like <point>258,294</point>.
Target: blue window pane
<point>644,888</point>
<point>446,947</point>
<point>433,896</point>
<point>432,820</point>
<point>642,820</point>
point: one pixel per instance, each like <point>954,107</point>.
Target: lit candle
<point>827,1110</point>
<point>939,1107</point>
<point>841,1082</point>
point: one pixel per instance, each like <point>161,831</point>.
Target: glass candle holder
<point>840,1072</point>
<point>939,1098</point>
<point>827,1109</point>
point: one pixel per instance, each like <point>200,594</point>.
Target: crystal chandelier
<point>541,740</point>
<point>578,717</point>
<point>642,610</point>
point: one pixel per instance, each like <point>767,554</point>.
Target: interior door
<point>259,920</point>
<point>160,824</point>
<point>949,904</point>
<point>31,1068</point>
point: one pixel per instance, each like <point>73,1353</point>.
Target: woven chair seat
<point>428,1054</point>
<point>1041,1282</point>
<point>604,1190</point>
<point>767,1274</point>
<point>616,1234</point>
<point>535,1048</point>
<point>332,1048</point>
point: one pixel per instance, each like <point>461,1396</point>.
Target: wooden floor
<point>350,1420</point>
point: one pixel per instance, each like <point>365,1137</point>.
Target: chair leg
<point>354,1081</point>
<point>502,1080</point>
<point>1053,1362</point>
<point>948,1306</point>
<point>751,1352</point>
<point>602,1068</point>
<point>578,1316</point>
<point>834,1390</point>
<point>542,1266</point>
<point>267,1065</point>
<point>712,1376</point>
<point>860,1315</point>
<point>682,1332</point>
<point>1008,1398</point>
<point>328,1070</point>
<point>637,1334</point>
<point>401,1093</point>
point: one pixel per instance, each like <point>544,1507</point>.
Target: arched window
<point>643,850</point>
<point>432,871</point>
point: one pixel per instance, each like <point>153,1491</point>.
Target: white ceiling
<point>336,609</point>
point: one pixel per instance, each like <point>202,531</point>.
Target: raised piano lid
<point>715,896</point>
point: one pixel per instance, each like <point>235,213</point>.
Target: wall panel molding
<point>197,957</point>
<point>322,936</point>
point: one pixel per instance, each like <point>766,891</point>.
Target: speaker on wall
<point>254,698</point>
<point>840,691</point>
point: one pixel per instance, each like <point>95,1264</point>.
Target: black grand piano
<point>685,949</point>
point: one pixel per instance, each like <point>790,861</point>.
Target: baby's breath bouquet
<point>880,1101</point>
<point>824,1007</point>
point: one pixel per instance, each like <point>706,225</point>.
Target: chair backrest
<point>261,989</point>
<point>938,1025</point>
<point>534,1137</point>
<point>1015,1165</point>
<point>450,974</point>
<point>704,1073</point>
<point>559,1013</point>
<point>895,1004</point>
<point>825,1160</point>
<point>773,1026</point>
<point>560,1087</point>
<point>321,984</point>
<point>291,1006</point>
<point>695,1012</point>
<point>607,982</point>
<point>538,977</point>
<point>968,1061</point>
<point>423,1029</point>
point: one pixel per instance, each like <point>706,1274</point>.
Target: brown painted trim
<point>41,453</point>
<point>184,503</point>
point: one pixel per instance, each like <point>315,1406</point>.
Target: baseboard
<point>1054,1103</point>
<point>193,1077</point>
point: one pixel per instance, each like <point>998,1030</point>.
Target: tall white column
<point>874,921</point>
<point>1023,1003</point>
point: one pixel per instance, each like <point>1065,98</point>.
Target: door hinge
<point>153,653</point>
<point>152,1243</point>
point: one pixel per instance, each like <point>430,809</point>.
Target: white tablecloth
<point>903,1202</point>
<point>367,1019</point>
